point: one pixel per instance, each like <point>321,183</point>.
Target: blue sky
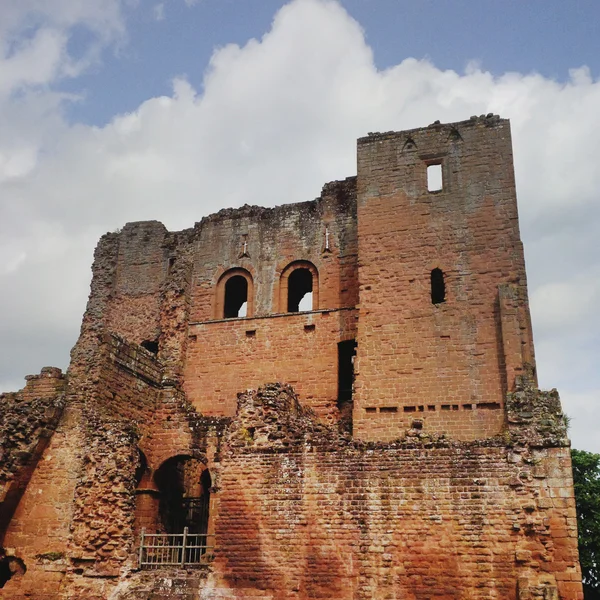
<point>547,37</point>
<point>125,110</point>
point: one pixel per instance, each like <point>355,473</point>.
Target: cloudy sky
<point>123,110</point>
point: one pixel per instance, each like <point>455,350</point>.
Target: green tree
<point>586,477</point>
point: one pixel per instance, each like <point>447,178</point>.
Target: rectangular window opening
<point>431,407</point>
<point>410,409</point>
<point>371,409</point>
<point>251,333</point>
<point>434,178</point>
<point>346,354</point>
<point>388,409</point>
<point>445,407</point>
<point>309,328</point>
<point>488,405</point>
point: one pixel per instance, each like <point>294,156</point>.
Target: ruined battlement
<point>329,399</point>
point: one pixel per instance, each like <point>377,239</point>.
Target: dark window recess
<point>489,405</point>
<point>9,567</point>
<point>388,409</point>
<point>371,409</point>
<point>178,507</point>
<point>346,354</point>
<point>236,296</point>
<point>300,283</point>
<point>410,408</point>
<point>251,333</point>
<point>438,287</point>
<point>150,345</point>
<point>431,407</point>
<point>309,328</point>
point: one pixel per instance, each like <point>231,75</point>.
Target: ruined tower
<point>332,399</point>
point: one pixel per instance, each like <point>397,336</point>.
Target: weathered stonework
<point>406,452</point>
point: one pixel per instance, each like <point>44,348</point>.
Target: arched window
<point>299,287</point>
<point>234,295</point>
<point>438,286</point>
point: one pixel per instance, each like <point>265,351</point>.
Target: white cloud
<point>276,119</point>
<point>158,12</point>
<point>34,35</point>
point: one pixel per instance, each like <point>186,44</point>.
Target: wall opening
<point>300,287</point>
<point>438,286</point>
<point>236,297</point>
<point>346,354</point>
<point>184,486</point>
<point>150,345</point>
<point>10,566</point>
<point>434,178</point>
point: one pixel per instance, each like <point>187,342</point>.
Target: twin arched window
<point>235,295</point>
<point>299,287</point>
<point>298,291</point>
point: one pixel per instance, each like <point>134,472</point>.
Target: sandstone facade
<point>405,452</point>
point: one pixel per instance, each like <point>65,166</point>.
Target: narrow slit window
<point>346,354</point>
<point>236,297</point>
<point>438,287</point>
<point>434,178</point>
<point>300,288</point>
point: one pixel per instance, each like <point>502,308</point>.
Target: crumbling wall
<point>38,533</point>
<point>27,421</point>
<point>226,356</point>
<point>307,514</point>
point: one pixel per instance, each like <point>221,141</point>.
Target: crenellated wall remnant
<point>401,451</point>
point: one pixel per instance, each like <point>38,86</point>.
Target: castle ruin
<point>335,399</point>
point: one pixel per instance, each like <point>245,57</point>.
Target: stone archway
<point>183,484</point>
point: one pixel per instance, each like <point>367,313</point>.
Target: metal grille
<point>175,549</point>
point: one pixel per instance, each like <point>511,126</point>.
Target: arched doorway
<point>184,485</point>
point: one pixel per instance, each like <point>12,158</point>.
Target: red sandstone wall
<point>264,241</point>
<point>230,356</point>
<point>141,268</point>
<point>304,514</point>
<point>226,357</point>
<point>413,355</point>
<point>404,523</point>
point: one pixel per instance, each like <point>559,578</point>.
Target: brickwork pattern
<point>413,353</point>
<point>451,479</point>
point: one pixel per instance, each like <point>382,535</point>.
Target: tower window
<point>236,297</point>
<point>300,290</point>
<point>434,178</point>
<point>299,287</point>
<point>438,287</point>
